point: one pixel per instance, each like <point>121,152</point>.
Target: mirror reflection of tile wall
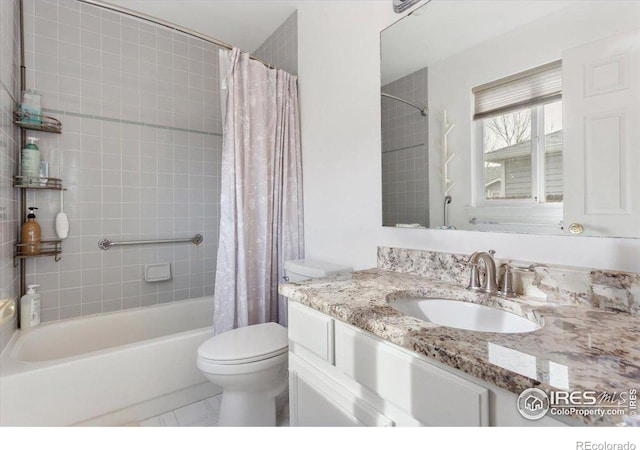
<point>405,155</point>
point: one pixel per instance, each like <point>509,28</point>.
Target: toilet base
<point>247,409</point>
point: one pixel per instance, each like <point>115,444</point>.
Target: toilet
<point>250,363</point>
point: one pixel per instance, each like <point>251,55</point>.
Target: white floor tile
<point>205,413</point>
<point>213,405</point>
<point>197,414</point>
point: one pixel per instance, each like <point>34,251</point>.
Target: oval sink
<point>464,315</point>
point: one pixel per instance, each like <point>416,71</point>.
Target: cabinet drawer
<point>311,330</point>
<point>430,394</point>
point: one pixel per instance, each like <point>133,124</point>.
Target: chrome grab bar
<point>106,244</point>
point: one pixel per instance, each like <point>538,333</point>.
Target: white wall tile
<point>124,180</point>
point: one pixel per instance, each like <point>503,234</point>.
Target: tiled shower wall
<point>9,136</point>
<point>139,156</point>
<point>405,154</point>
<point>281,48</point>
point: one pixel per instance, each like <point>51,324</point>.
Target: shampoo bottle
<point>31,161</point>
<point>30,234</point>
<point>30,308</point>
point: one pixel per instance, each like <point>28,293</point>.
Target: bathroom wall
<point>281,48</point>
<point>9,142</point>
<point>139,155</point>
<point>405,156</point>
<point>339,69</point>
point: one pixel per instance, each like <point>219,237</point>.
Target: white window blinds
<point>532,87</point>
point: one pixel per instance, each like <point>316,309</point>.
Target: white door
<point>601,108</point>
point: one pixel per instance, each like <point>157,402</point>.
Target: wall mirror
<point>514,116</point>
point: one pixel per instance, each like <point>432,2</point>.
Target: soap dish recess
<point>157,272</point>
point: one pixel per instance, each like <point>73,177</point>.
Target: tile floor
<point>204,413</point>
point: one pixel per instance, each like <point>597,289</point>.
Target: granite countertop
<point>578,348</point>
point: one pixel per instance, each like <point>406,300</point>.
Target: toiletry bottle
<point>30,234</point>
<point>30,308</point>
<point>31,106</point>
<point>30,161</point>
<point>43,173</point>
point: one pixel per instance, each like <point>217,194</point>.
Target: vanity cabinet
<point>340,375</point>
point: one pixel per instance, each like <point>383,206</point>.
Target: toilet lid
<point>246,344</point>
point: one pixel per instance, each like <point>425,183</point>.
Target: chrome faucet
<point>489,283</point>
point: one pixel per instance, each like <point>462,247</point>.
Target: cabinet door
<point>312,408</point>
<point>317,401</point>
<point>433,396</point>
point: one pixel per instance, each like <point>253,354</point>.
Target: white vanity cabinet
<point>340,375</point>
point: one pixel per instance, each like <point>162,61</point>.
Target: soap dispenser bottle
<point>30,234</point>
<point>30,308</point>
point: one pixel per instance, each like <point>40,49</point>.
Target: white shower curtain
<point>261,221</point>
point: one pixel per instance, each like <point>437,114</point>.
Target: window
<point>519,126</point>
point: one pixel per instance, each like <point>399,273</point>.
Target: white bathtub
<point>108,369</point>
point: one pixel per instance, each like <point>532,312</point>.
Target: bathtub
<point>107,369</point>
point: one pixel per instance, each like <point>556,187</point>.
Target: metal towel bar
<point>106,244</point>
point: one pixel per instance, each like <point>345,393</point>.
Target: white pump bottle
<point>30,308</point>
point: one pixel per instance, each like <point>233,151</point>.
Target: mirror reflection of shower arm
<point>424,111</point>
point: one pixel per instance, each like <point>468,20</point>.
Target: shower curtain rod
<point>423,111</point>
<point>164,23</point>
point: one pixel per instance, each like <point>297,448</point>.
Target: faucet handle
<point>506,281</point>
<point>463,261</point>
<point>467,261</point>
<point>529,268</point>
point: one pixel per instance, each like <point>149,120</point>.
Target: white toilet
<point>250,363</point>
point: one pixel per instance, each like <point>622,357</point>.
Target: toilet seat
<point>245,345</point>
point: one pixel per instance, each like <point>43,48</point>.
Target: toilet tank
<point>304,269</point>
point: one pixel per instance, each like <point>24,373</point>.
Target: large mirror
<point>516,116</point>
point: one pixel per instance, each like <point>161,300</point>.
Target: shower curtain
<point>261,216</point>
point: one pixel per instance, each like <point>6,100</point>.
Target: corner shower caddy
<point>44,123</point>
<point>48,247</point>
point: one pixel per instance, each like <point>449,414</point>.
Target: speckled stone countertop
<point>578,348</point>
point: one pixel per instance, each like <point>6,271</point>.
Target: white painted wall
<point>339,63</point>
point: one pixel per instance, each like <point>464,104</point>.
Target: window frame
<point>538,197</point>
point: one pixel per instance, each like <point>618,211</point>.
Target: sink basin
<point>464,315</point>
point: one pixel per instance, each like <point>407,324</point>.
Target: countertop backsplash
<point>607,290</point>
